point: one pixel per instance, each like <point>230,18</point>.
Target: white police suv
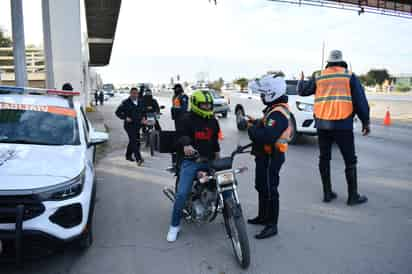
<point>47,188</point>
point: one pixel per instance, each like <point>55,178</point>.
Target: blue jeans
<point>188,171</point>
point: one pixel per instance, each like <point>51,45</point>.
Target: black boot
<point>261,218</point>
<point>271,227</point>
<point>328,194</point>
<point>353,196</point>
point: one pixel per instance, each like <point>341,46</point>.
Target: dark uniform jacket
<point>128,109</point>
<point>150,105</point>
<point>268,133</point>
<point>200,133</point>
<point>178,111</point>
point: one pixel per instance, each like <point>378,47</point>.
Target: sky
<point>159,39</point>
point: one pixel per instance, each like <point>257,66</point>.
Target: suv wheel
<point>239,116</point>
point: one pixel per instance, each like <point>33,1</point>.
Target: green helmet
<point>201,103</point>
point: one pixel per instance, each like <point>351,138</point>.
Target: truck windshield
<point>37,127</point>
<point>108,87</point>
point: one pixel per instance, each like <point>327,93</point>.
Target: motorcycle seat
<point>222,164</point>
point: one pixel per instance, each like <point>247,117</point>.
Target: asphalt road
<point>407,97</point>
<point>132,215</point>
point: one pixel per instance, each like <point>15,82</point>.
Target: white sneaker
<point>172,234</point>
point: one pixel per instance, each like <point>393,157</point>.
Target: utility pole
<point>47,42</point>
<point>19,48</point>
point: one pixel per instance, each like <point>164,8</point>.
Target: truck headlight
<point>304,107</point>
<point>63,191</point>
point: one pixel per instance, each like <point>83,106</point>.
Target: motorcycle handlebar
<point>240,149</point>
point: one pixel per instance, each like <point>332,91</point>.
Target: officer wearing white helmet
<point>270,136</point>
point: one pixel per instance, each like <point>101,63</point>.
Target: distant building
<point>35,67</point>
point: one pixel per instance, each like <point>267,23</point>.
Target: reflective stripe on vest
<point>281,144</point>
<point>333,99</point>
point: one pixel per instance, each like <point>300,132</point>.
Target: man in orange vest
<point>338,97</point>
<point>269,136</point>
<point>180,105</point>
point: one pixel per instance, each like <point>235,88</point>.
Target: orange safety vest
<point>333,98</point>
<point>281,144</point>
<point>176,102</point>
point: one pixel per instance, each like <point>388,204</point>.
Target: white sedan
<point>47,186</point>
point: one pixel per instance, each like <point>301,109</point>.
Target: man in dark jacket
<point>96,97</point>
<point>130,110</point>
<point>101,97</point>
<point>151,106</point>
<point>338,97</point>
<point>180,105</point>
<point>197,132</point>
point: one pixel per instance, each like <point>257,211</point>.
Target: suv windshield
<point>37,127</point>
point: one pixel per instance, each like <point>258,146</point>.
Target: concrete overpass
<point>78,35</point>
<point>101,17</point>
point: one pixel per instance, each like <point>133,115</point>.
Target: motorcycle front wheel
<point>236,230</point>
<point>152,142</point>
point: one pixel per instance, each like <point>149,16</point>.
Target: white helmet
<point>270,87</point>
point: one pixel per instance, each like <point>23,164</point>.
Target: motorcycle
<point>215,191</point>
<point>150,134</point>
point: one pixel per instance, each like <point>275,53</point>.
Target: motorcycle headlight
<point>63,191</point>
<point>225,178</point>
<point>304,107</point>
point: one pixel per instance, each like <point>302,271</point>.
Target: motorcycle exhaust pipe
<point>170,194</point>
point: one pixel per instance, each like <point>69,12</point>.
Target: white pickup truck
<point>301,108</point>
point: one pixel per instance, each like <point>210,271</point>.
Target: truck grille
<point>32,207</point>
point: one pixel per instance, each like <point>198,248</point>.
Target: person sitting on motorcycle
<point>269,136</point>
<point>197,133</point>
<point>151,106</point>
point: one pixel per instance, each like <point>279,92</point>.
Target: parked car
<point>301,108</point>
<point>47,152</point>
<point>220,103</point>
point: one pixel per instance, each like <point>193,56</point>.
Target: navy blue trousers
<point>345,141</point>
<point>267,175</point>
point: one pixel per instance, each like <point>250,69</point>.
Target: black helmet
<point>178,89</point>
<point>67,86</point>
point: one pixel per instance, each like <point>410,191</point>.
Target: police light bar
<point>39,91</point>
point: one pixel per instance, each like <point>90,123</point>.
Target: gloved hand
<point>252,132</point>
<point>366,129</point>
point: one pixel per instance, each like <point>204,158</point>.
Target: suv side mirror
<point>97,138</point>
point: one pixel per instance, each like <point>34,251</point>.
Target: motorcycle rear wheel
<point>236,230</point>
